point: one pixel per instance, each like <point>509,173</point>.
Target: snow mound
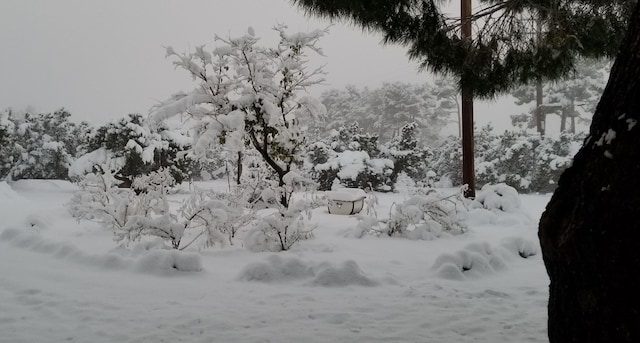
<point>498,197</point>
<point>7,193</point>
<point>474,261</point>
<point>478,260</point>
<point>154,261</point>
<point>347,274</point>
<point>481,216</point>
<point>44,185</point>
<point>277,269</point>
<point>520,246</point>
<point>162,261</point>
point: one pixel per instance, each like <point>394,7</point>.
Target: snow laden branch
<point>251,97</point>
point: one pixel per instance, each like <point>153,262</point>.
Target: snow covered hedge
<point>525,161</point>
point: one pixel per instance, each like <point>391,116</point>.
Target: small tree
<point>249,95</point>
<point>407,154</point>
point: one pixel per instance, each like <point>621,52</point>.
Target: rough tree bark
<point>590,230</point>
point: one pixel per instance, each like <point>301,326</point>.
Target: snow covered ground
<point>63,281</point>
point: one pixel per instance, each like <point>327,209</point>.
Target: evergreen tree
<point>140,150</point>
<point>407,155</point>
<point>46,146</point>
<point>8,153</point>
<point>573,97</point>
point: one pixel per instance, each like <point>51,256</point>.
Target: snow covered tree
<point>407,154</point>
<point>573,97</point>
<point>249,95</point>
<point>383,111</point>
<point>507,49</point>
<point>352,158</point>
<point>448,100</point>
<point>8,153</point>
<point>131,148</point>
<point>396,104</point>
<point>343,106</point>
<point>46,146</point>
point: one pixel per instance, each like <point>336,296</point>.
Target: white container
<point>346,201</point>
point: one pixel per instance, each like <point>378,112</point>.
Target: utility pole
<point>468,164</point>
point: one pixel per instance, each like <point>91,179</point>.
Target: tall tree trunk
<point>590,230</point>
<point>539,112</point>
<point>239,166</point>
<point>468,158</point>
<point>540,124</point>
<point>573,125</point>
<point>563,120</point>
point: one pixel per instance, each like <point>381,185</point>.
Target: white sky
<point>104,59</point>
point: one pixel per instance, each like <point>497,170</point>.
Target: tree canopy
<point>515,41</point>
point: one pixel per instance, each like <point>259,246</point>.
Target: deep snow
<point>63,281</point>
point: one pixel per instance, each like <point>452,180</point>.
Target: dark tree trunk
<point>468,151</point>
<point>539,113</point>
<point>239,165</point>
<point>563,120</point>
<point>590,230</point>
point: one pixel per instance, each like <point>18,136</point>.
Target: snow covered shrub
<point>427,216</point>
<point>500,197</point>
<point>132,215</point>
<point>421,217</point>
<point>286,225</point>
<point>100,200</point>
<point>130,148</point>
<point>280,230</point>
<point>353,158</point>
<point>45,146</point>
<point>510,159</point>
<point>203,209</point>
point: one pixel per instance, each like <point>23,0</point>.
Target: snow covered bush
<point>500,197</point>
<point>129,147</point>
<point>526,161</point>
<point>42,146</point>
<point>100,200</point>
<point>353,158</point>
<point>204,209</point>
<point>428,217</point>
<point>421,217</point>
<point>133,215</point>
<point>285,225</point>
<point>250,96</point>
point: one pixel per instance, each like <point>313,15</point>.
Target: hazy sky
<point>104,59</point>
